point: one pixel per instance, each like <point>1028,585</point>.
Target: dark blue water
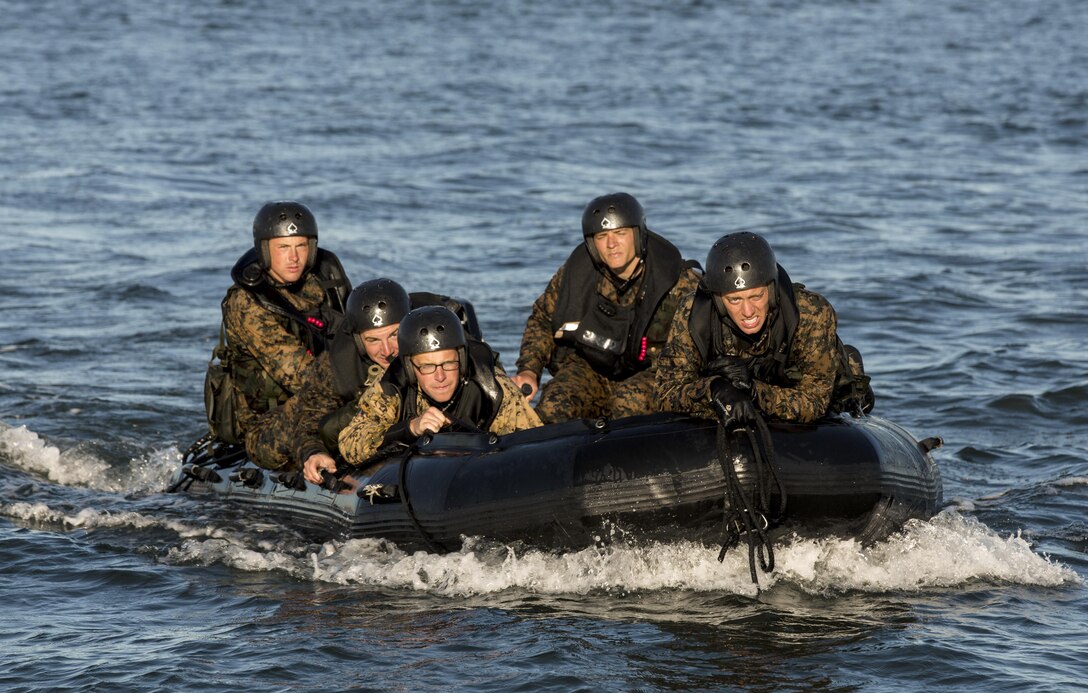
<point>922,164</point>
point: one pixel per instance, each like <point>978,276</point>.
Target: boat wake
<point>952,549</point>
<point>949,550</point>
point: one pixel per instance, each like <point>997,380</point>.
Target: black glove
<point>734,406</point>
<point>732,369</point>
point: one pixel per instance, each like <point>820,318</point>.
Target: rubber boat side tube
<point>570,485</point>
<point>654,477</point>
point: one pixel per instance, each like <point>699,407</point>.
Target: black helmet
<point>739,261</point>
<point>281,219</point>
<point>613,211</point>
<point>427,329</point>
<point>376,303</point>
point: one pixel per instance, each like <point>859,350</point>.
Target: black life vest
<point>477,401</point>
<point>351,370</point>
<point>351,367</point>
<point>613,339</point>
<point>314,327</point>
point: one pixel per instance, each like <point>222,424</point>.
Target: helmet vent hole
<point>381,305</point>
<point>744,267</point>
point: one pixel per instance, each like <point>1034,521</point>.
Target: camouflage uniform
<point>379,411</point>
<point>576,390</point>
<point>813,365</point>
<point>286,436</point>
<point>268,352</point>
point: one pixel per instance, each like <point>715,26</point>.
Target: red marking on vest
<point>317,323</point>
<point>642,350</point>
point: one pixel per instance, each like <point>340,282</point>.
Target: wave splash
<point>950,550</point>
<point>26,450</point>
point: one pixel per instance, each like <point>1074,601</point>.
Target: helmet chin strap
<point>621,284</point>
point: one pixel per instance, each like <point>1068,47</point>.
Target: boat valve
<point>208,476</point>
<point>292,480</point>
<point>248,476</point>
<point>930,444</point>
<point>330,482</point>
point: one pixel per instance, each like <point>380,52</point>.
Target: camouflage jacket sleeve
<point>677,384</point>
<point>538,340</point>
<point>686,284</point>
<point>255,330</point>
<point>317,399</point>
<point>361,438</point>
<point>515,414</point>
<point>813,363</point>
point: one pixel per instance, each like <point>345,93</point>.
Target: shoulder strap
<point>220,350</point>
<point>333,279</point>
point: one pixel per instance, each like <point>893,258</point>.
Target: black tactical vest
<point>613,339</point>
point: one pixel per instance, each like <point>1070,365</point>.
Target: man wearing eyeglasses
<point>441,380</point>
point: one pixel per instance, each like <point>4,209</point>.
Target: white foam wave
<point>1072,481</point>
<point>26,450</point>
<point>90,518</point>
<point>949,550</point>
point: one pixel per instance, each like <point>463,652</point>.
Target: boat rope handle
<point>741,516</point>
<point>406,501</point>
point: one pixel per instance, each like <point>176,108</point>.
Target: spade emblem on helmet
<point>740,283</point>
<point>376,320</point>
<point>292,228</point>
<point>606,223</point>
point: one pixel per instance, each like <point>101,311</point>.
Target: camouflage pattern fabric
<point>574,383</point>
<point>813,366</point>
<point>268,352</point>
<point>577,391</point>
<point>286,436</point>
<point>379,411</point>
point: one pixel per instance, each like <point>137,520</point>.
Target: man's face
<point>748,308</point>
<point>288,256</point>
<point>381,344</point>
<point>440,385</point>
<point>617,250</point>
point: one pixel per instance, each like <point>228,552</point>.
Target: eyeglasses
<point>428,368</point>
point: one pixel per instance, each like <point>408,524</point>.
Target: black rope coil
<point>743,515</point>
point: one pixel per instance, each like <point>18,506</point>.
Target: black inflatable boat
<point>655,477</point>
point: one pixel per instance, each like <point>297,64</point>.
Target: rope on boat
<point>406,501</point>
<point>745,516</point>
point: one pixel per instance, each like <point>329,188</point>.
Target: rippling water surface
<point>921,164</point>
